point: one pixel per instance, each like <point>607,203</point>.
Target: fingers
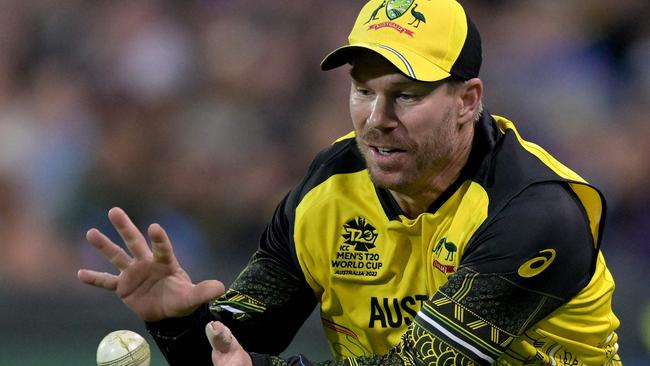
<point>226,350</point>
<point>98,279</point>
<point>109,250</point>
<point>132,237</point>
<point>160,244</point>
<point>220,337</point>
<point>134,240</point>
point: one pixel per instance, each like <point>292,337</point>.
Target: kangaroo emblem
<point>450,247</point>
<point>374,13</point>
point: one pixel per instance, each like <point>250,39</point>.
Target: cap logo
<point>397,8</point>
<point>394,10</point>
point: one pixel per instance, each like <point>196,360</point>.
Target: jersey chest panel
<point>371,274</point>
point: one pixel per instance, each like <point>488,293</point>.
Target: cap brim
<point>409,63</point>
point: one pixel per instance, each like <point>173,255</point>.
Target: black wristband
<point>183,339</point>
<point>175,327</point>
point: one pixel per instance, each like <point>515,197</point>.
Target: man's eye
<point>362,91</point>
<point>407,97</point>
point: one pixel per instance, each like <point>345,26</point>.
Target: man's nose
<point>382,114</point>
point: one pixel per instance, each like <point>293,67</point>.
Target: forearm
<point>265,306</point>
<point>254,321</point>
<point>179,337</point>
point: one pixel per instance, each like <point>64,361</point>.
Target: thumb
<point>205,291</point>
<point>219,335</point>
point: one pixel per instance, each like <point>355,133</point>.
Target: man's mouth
<point>385,151</point>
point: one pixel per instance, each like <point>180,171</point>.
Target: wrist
<point>176,327</point>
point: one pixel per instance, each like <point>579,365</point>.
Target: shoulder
<point>545,205</point>
<point>339,158</point>
<point>545,224</point>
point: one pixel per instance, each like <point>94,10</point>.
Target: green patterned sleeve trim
<point>482,314</point>
<point>239,305</point>
<point>418,347</point>
<point>388,360</point>
<point>430,322</point>
<point>265,297</point>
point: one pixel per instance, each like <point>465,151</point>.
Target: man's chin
<point>386,180</point>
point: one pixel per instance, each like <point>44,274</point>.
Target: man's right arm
<point>270,299</point>
<point>264,307</point>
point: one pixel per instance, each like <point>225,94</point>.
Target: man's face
<point>407,130</point>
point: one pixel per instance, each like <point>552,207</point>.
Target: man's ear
<point>470,99</point>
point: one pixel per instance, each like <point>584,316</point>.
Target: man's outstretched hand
<point>150,282</point>
<point>226,350</point>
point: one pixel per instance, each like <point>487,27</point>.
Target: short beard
<point>432,156</point>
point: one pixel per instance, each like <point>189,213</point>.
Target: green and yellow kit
<point>504,268</point>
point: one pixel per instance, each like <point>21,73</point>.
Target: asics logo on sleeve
<point>537,265</point>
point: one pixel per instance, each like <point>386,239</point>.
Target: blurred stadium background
<point>200,115</point>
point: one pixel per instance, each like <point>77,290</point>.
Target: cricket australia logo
<point>397,8</point>
<point>450,249</point>
<point>360,233</point>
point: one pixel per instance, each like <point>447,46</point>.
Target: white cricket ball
<point>123,348</point>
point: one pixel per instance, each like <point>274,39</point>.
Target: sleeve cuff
<point>176,327</point>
